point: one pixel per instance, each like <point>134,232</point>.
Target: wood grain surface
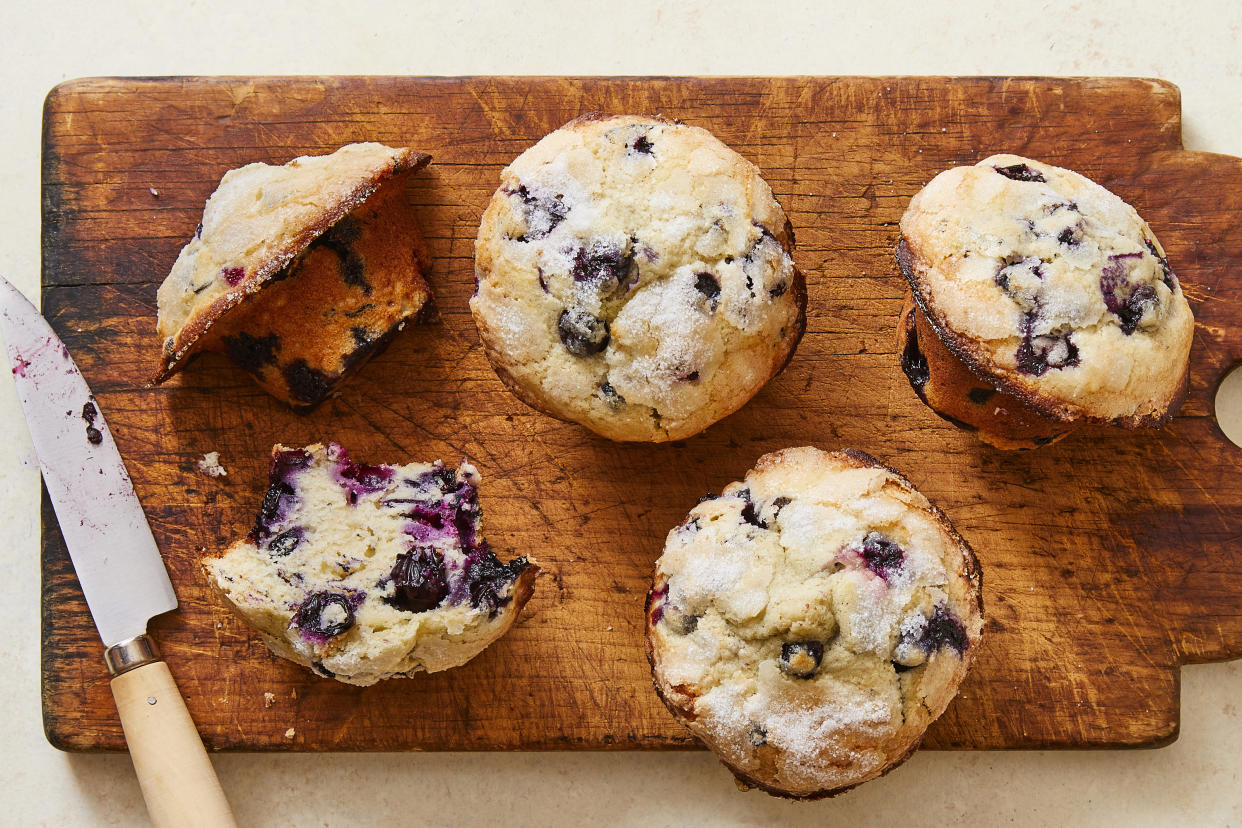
<point>1109,559</point>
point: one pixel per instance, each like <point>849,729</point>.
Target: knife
<point>117,563</point>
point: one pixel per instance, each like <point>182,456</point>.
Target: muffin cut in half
<point>363,572</point>
<point>299,273</point>
<point>1039,301</point>
<point>810,623</point>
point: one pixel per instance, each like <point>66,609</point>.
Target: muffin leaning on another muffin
<point>299,273</point>
<point>364,572</point>
<point>812,621</point>
<point>1052,302</point>
<point>634,276</point>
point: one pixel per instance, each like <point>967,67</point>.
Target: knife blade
<point>117,562</point>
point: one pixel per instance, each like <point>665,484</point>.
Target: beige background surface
<point>1198,780</point>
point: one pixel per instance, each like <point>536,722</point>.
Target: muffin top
<point>1051,288</point>
<point>812,621</point>
<point>635,276</point>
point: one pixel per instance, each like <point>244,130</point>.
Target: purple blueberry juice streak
<point>233,275</point>
<point>658,599</point>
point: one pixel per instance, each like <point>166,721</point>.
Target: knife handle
<point>177,779</point>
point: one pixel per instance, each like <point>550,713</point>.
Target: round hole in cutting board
<point>1229,405</point>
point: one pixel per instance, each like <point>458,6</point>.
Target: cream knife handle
<point>177,779</point>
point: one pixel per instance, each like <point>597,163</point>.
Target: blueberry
<point>603,266</point>
<point>340,240</point>
<point>233,275</point>
<point>287,463</point>
<point>583,334</point>
<point>611,397</point>
<point>325,614</point>
<point>778,291</point>
<point>709,286</point>
<point>252,353</point>
<point>914,364</point>
<point>1127,302</point>
<point>679,621</point>
<point>1036,354</point>
<point>1069,236</point>
<point>487,577</point>
<point>418,579</point>
<point>284,543</point>
<point>541,211</point>
<point>279,498</point>
<point>980,396</point>
<point>1021,172</point>
<point>89,412</point>
<point>801,659</point>
<point>306,384</point>
<point>640,145</point>
<point>881,555</point>
<point>780,503</point>
<point>943,630</point>
<point>362,478</point>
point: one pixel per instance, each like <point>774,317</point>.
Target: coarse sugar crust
<point>1051,289</point>
<point>257,221</point>
<point>812,621</point>
<point>634,275</point>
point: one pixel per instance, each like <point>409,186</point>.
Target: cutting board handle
<point>177,779</point>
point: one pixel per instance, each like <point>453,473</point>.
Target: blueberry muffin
<point>634,275</point>
<point>1053,303</point>
<point>299,273</point>
<point>812,621</point>
<point>363,572</point>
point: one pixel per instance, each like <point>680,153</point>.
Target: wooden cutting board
<point>1110,559</point>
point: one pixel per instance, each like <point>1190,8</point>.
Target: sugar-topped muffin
<point>364,572</point>
<point>634,276</point>
<point>810,623</point>
<point>1051,291</point>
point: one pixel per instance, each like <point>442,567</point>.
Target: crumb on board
<point>269,699</point>
<point>210,465</point>
<point>153,191</point>
<point>290,733</point>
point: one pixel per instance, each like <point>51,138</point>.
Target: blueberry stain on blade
<point>89,413</point>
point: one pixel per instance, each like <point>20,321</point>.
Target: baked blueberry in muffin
<point>364,572</point>
<point>1039,301</point>
<point>300,273</point>
<point>812,621</point>
<point>634,276</point>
